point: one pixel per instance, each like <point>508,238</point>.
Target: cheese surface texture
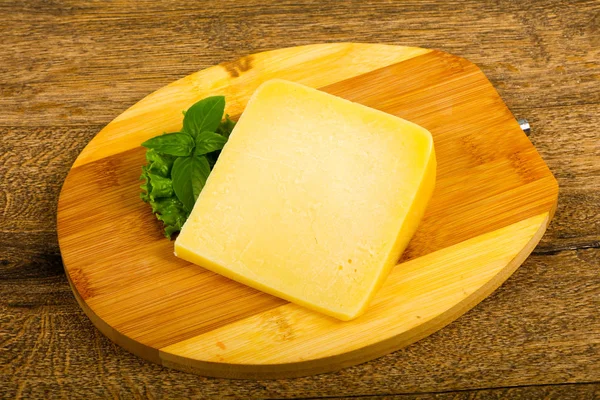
<point>313,199</point>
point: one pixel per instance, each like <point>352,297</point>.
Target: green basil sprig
<point>189,175</point>
<point>179,163</point>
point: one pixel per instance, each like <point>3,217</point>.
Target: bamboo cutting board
<point>494,198</point>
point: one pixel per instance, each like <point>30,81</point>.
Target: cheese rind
<point>313,199</point>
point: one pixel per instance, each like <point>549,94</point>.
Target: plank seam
<point>558,249</point>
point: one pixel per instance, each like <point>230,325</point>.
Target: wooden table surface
<point>68,68</point>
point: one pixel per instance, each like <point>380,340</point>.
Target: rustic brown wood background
<point>67,68</point>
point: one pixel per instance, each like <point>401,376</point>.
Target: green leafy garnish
<point>171,212</point>
<point>205,115</point>
<point>161,186</point>
<point>173,144</point>
<point>207,142</point>
<point>179,163</point>
<point>226,127</point>
<point>159,163</point>
<point>189,176</point>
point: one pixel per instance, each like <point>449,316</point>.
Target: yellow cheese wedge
<point>313,199</point>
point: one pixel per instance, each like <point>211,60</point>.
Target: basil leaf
<point>207,142</point>
<point>204,115</point>
<point>189,175</point>
<point>174,144</point>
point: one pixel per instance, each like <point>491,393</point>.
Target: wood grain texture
<point>237,80</point>
<point>68,68</point>
<point>82,72</point>
<point>537,324</point>
<point>418,297</point>
<point>494,197</point>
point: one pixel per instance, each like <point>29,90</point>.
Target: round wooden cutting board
<point>494,198</point>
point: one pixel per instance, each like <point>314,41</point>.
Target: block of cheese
<point>313,199</point>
